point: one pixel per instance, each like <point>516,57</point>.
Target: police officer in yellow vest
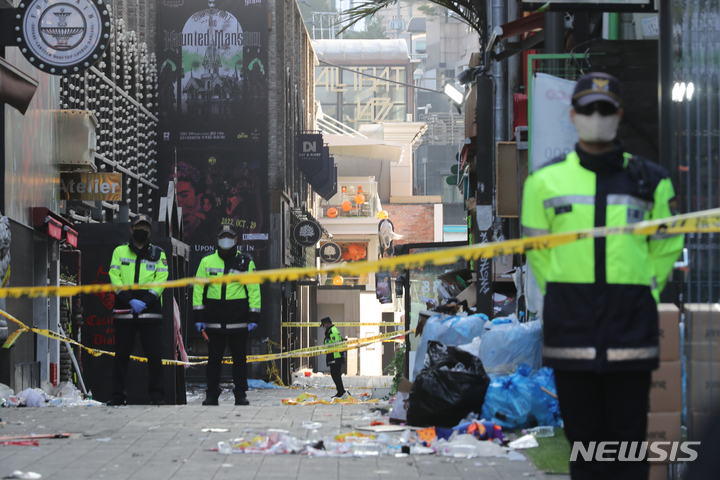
<point>334,360</point>
<point>138,311</point>
<point>601,294</point>
<point>226,312</point>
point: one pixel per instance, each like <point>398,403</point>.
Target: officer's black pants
<point>151,341</point>
<point>604,407</point>
<point>336,374</point>
<point>216,349</point>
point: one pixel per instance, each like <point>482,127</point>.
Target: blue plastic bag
<point>508,343</point>
<point>509,399</point>
<point>450,331</point>
<point>545,408</point>
<point>256,383</point>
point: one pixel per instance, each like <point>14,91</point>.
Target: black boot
<point>241,401</point>
<point>211,400</point>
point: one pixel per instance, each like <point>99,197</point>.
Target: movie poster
<point>213,109</point>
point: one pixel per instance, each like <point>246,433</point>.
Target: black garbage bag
<point>452,384</point>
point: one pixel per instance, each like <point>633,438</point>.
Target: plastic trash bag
<point>506,345</point>
<point>32,398</point>
<point>443,397</point>
<point>448,331</point>
<point>509,399</point>
<point>545,408</point>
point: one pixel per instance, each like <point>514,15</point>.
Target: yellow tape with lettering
<point>707,221</point>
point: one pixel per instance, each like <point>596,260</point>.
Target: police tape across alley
<point>706,221</point>
<point>303,352</point>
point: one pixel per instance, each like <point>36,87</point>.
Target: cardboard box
<point>664,427</point>
<point>697,424</point>
<point>703,351</point>
<point>658,471</point>
<point>469,294</point>
<point>702,322</point>
<point>666,388</point>
<point>703,385</point>
<point>669,316</point>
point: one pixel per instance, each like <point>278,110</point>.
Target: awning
<point>54,225</point>
<point>360,148</point>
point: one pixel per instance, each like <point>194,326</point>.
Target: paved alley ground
<point>167,442</point>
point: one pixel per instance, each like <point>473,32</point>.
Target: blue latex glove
<point>200,326</point>
<point>137,306</point>
<point>252,326</point>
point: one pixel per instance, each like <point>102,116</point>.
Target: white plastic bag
<point>31,398</point>
<point>506,345</point>
<point>450,331</point>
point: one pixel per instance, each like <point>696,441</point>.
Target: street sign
<point>61,37</point>
<point>330,252</point>
<point>307,233</point>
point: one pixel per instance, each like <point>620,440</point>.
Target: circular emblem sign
<point>62,37</point>
<point>330,252</point>
<point>307,233</point>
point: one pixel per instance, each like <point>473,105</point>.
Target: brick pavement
<point>155,443</point>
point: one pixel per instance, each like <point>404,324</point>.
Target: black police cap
<point>597,87</point>
<point>227,229</point>
<point>140,219</point>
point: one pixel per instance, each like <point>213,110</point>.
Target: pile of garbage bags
<point>468,364</point>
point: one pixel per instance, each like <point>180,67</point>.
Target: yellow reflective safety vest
<point>601,294</point>
<point>225,307</point>
<point>131,265</point>
<point>332,335</point>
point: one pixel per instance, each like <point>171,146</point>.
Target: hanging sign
<point>330,252</point>
<point>61,37</point>
<point>307,233</point>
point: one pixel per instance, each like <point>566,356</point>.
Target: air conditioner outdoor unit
<point>75,138</point>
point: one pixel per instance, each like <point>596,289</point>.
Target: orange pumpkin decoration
<point>382,214</point>
<point>332,212</point>
<point>347,206</point>
<point>346,256</point>
<point>359,198</point>
<point>353,249</point>
<point>337,280</point>
<point>362,252</point>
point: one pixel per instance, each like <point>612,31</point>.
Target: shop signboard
<point>307,233</point>
<point>61,37</point>
<point>91,186</point>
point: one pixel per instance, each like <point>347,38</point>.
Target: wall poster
<point>213,109</point>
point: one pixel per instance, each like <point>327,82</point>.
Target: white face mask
<point>596,128</point>
<point>226,243</point>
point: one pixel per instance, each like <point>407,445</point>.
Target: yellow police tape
<point>707,221</point>
<point>342,324</point>
<point>303,352</point>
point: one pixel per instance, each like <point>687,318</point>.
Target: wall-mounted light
<point>455,95</point>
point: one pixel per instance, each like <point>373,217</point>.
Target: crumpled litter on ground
<point>526,441</point>
<point>24,475</point>
<point>356,444</point>
<point>64,395</point>
<point>310,399</point>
